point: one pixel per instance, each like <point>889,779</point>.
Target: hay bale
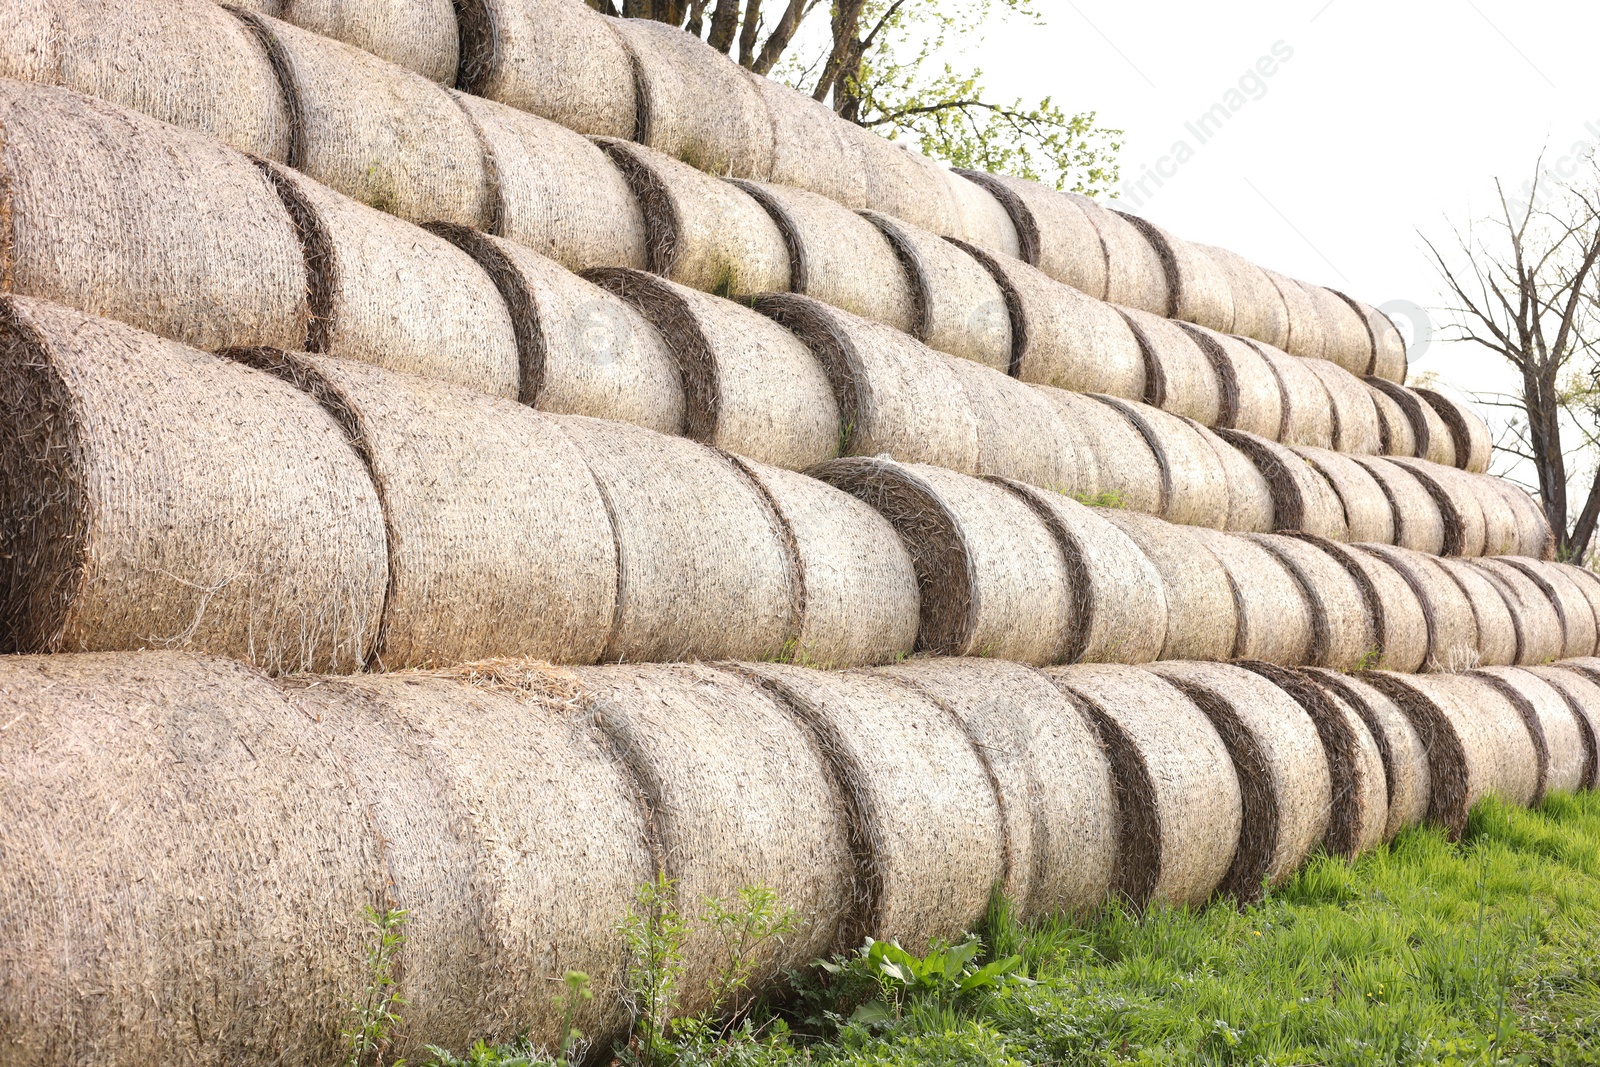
<point>387,293</point>
<point>1388,345</point>
<point>123,216</point>
<point>1258,308</point>
<point>1587,581</point>
<point>418,36</point>
<point>859,587</point>
<point>1202,616</point>
<point>159,497</point>
<point>1053,233</point>
<point>1418,523</point>
<point>993,579</point>
<point>749,385</point>
<point>1469,434</point>
<point>1350,342</point>
<point>1054,781</point>
<point>188,63</point>
<point>1540,635</point>
<point>1459,510</point>
<point>1275,622</point>
<point>1126,468</point>
<point>1571,602</point>
<point>1398,624</point>
<point>1285,790</point>
<point>1022,433</point>
<point>1582,696</point>
<point>1552,721</point>
<point>958,307</point>
<point>1534,536</point>
<point>981,219</point>
<point>1452,626</point>
<point>701,231</point>
<point>1308,409</point>
<point>1302,499</point>
<point>1395,432</point>
<point>1345,630</point>
<point>1250,508</point>
<point>1355,418</point>
<point>1509,726</point>
<point>1430,433</point>
<point>739,793</point>
<point>811,149</point>
<point>838,257</point>
<point>1119,604</point>
<point>1252,399</point>
<point>582,350</point>
<point>927,829</point>
<point>1199,289</point>
<point>376,132</point>
<point>559,59</point>
<point>1502,522</point>
<point>1135,275</point>
<point>1405,758</point>
<point>1178,797</point>
<point>1179,375</point>
<point>1367,512</point>
<point>903,183</point>
<point>1307,336</point>
<point>1497,628</point>
<point>1194,483</point>
<point>167,837</point>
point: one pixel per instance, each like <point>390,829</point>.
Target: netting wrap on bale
<point>1349,340</point>
<point>811,149</point>
<point>420,35</point>
<point>1200,290</point>
<point>1135,275</point>
<point>1405,757</point>
<point>1582,694</point>
<point>1252,396</point>
<point>1367,511</point>
<point>1497,629</point>
<point>1126,469</point>
<point>1430,435</point>
<point>1344,622</point>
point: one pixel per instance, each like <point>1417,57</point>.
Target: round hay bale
<point>1179,375</point>
<point>161,228</point>
<point>1258,308</point>
<point>555,191</point>
<point>1302,499</point>
<point>1553,723</point>
<point>489,554</point>
<point>1582,695</point>
<point>1356,427</point>
<point>958,307</point>
<point>1022,434</point>
<point>557,59</point>
<point>1350,343</point>
<point>1502,523</point>
<point>1275,622</point>
<point>1126,470</point>
<point>1307,336</point>
<point>1395,432</point>
<point>1535,539</point>
<point>739,793</point>
<point>1571,602</point>
<point>993,579</point>
<point>386,293</point>
<point>1540,635</point>
<point>418,36</point>
<point>1053,233</point>
<point>1359,811</point>
<point>926,825</point>
<point>1252,397</point>
<point>1179,804</point>
<point>1431,434</point>
<point>811,149</point>
<point>903,183</point>
<point>1587,581</point>
<point>1469,434</point>
<point>701,231</point>
<point>896,397</point>
<point>191,64</point>
<point>749,385</point>
<point>582,350</point>
<point>1399,625</point>
<point>694,105</point>
<point>981,219</point>
<point>1285,790</point>
<point>1388,345</point>
<point>159,497</point>
<point>1366,509</point>
<point>861,603</point>
<point>1054,782</point>
<point>1405,758</point>
<point>1464,531</point>
<point>1135,275</point>
<point>1202,617</point>
<point>379,133</point>
<point>1119,604</point>
<point>1250,507</point>
<point>1194,483</point>
<point>1308,409</point>
<point>1512,728</point>
<point>1452,625</point>
<point>1200,291</point>
<point>1344,626</point>
<point>1418,522</point>
<point>1497,627</point>
<point>168,837</point>
<point>838,257</point>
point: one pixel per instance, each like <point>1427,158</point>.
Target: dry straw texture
<point>1202,616</point>
<point>982,220</point>
<point>159,497</point>
<point>701,231</point>
<point>1124,462</point>
<point>1452,625</point>
<point>1388,345</point>
<point>1054,782</point>
<point>122,216</point>
<point>1285,789</point>
<point>1418,522</point>
<point>377,132</point>
<point>1194,483</point>
<point>386,293</point>
<point>1178,797</point>
<point>1250,505</point>
<point>811,149</point>
<point>1430,434</point>
<point>1252,397</point>
<point>1588,583</point>
<point>1135,275</point>
<point>1053,233</point>
<point>1200,290</point>
<point>1582,695</point>
<point>187,62</point>
<point>1307,334</point>
<point>1395,432</point>
<point>1367,512</point>
<point>1534,536</point>
<point>929,836</point>
<point>1561,584</point>
<point>1540,634</point>
<point>499,542</point>
<point>582,350</point>
<point>1468,433</point>
<point>707,569</point>
<point>1349,341</point>
<point>1345,629</point>
<point>1275,620</point>
<point>1497,629</point>
<point>1180,376</point>
<point>1567,751</point>
<point>419,35</point>
<point>1258,308</point>
<point>1302,499</point>
<point>554,58</point>
<point>218,862</point>
<point>1355,418</point>
<point>1405,757</point>
<point>1022,434</point>
<point>1502,519</point>
<point>993,579</point>
<point>1459,510</point>
<point>1308,411</point>
<point>749,385</point>
<point>903,183</point>
<point>1399,623</point>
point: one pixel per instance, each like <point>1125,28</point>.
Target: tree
<point>1528,292</point>
<point>880,64</point>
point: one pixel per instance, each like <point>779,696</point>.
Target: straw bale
<point>1178,796</point>
<point>1418,522</point>
<point>1502,519</point>
<point>861,603</point>
<point>1540,635</point>
<point>1302,498</point>
<point>1285,789</point>
<point>387,293</point>
<point>1274,613</point>
<point>1582,696</point>
<point>1367,511</point>
<point>1405,757</point>
<point>1552,722</point>
<point>582,350</point>
<point>1511,728</point>
<point>981,219</point>
<point>1355,417</point>
<point>1344,624</point>
<point>1252,396</point>
<point>1307,335</point>
<point>1396,433</point>
<point>1199,289</point>
<point>1349,340</point>
<point>1459,510</point>
<point>1452,625</point>
<point>1469,434</point>
<point>1194,483</point>
<point>188,63</point>
<point>1125,464</point>
<point>1258,308</point>
<point>1587,581</point>
<point>739,793</point>
<point>1135,275</point>
<point>556,58</point>
<point>903,183</point>
<point>1458,735</point>
<point>1022,434</point>
<point>1399,626</point>
<point>1250,508</point>
<point>1389,346</point>
<point>168,838</point>
<point>959,307</point>
<point>1180,376</point>
<point>993,579</point>
<point>1571,600</point>
<point>1118,601</point>
<point>159,497</point>
<point>838,257</point>
<point>1497,628</point>
<point>1054,782</point>
<point>123,216</point>
<point>749,385</point>
<point>1202,616</point>
<point>382,134</point>
<point>1053,233</point>
<point>701,231</point>
<point>1430,433</point>
<point>1308,409</point>
<point>418,36</point>
<point>1534,536</point>
<point>811,149</point>
<point>927,828</point>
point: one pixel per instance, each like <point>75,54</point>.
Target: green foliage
<point>1106,498</point>
<point>653,933</point>
<point>376,1013</point>
<point>880,980</point>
